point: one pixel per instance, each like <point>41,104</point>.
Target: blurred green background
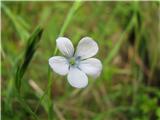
<point>129,47</point>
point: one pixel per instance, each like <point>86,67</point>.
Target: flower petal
<point>91,67</point>
<point>86,48</point>
<point>59,64</point>
<point>65,46</point>
<point>77,78</point>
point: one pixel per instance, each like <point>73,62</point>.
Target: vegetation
<point>128,37</point>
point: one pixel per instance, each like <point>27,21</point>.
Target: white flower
<point>79,64</point>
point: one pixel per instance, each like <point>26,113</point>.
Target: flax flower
<point>76,65</point>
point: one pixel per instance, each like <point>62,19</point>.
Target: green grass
<point>128,37</point>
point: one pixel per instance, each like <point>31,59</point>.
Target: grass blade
<point>30,50</point>
<point>20,25</point>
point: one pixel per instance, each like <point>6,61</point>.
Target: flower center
<point>72,61</point>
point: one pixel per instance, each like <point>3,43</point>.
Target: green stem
<point>47,92</point>
<point>70,15</point>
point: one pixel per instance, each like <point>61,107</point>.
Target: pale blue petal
<point>86,48</point>
<point>65,46</point>
<point>91,67</point>
<point>59,64</point>
<point>77,78</point>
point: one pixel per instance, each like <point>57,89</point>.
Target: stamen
<point>72,61</point>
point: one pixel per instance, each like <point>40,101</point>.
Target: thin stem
<point>66,23</point>
<point>70,15</point>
